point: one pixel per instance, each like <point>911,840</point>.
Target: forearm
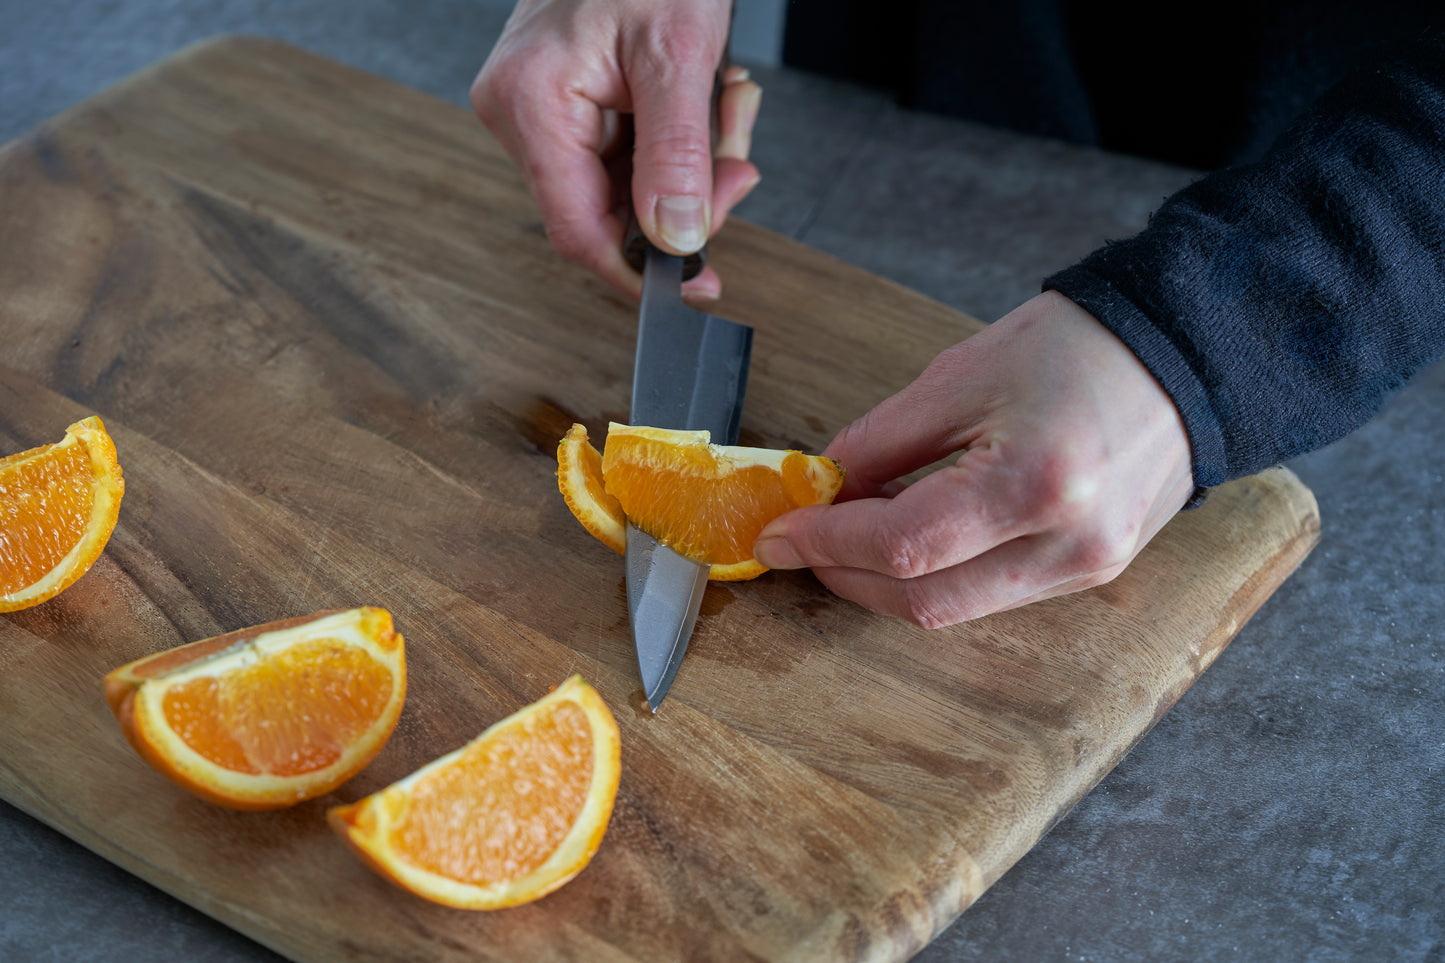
<point>1281,303</point>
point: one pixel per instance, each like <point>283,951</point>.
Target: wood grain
<point>319,315</point>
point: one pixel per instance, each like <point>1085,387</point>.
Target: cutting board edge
<point>1300,503</point>
<point>121,86</point>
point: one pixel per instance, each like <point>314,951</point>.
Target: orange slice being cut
<point>705,501</point>
<point>266,717</point>
<point>504,820</point>
<point>58,506</point>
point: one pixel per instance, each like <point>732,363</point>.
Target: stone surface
<point>1290,805</point>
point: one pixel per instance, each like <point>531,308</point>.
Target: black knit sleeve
<point>1280,303</point>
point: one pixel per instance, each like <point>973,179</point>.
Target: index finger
<point>928,419</point>
<point>943,520</point>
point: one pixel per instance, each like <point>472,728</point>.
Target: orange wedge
<point>706,501</point>
<point>266,717</point>
<point>58,506</point>
<point>504,820</point>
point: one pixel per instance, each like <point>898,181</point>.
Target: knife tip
<point>643,705</point>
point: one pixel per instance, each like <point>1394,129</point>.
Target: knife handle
<point>635,245</point>
<point>635,242</point>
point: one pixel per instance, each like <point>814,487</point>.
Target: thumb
<point>672,156</point>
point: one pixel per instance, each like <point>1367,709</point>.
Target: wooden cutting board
<point>319,316</point>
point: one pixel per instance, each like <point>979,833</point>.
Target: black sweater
<point>1280,303</point>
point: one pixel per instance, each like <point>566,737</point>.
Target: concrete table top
<point>1290,806</point>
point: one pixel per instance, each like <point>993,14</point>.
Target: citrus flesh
<point>58,507</point>
<point>504,820</point>
<point>270,716</point>
<point>705,501</point>
<point>709,502</point>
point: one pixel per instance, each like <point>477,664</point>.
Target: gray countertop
<point>1290,807</point>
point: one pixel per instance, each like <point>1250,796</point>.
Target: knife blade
<point>690,372</point>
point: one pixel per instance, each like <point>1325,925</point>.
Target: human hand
<point>1072,458</point>
<point>552,91</point>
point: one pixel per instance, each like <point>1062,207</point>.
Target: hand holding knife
<point>690,372</point>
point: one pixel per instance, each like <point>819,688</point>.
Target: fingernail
<point>775,551</point>
<point>700,299</point>
<point>744,189</point>
<point>755,101</point>
<point>682,222</point>
<point>737,138</point>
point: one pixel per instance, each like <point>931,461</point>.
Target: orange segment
<point>58,506</point>
<point>266,717</point>
<point>507,818</point>
<point>709,502</point>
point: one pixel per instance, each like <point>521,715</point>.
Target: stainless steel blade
<point>691,372</point>
<point>691,368</point>
<point>664,593</point>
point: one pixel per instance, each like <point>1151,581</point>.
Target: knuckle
<point>859,436</point>
<point>485,105</point>
<point>679,145</point>
<point>923,608</point>
<point>904,556</point>
<point>480,99</point>
<point>1063,490</point>
<point>678,43</point>
<point>854,436</point>
<point>1102,553</point>
<point>1104,576</point>
<point>493,87</point>
<point>945,365</point>
<point>566,238</point>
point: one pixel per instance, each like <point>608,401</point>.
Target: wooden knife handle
<point>634,250</point>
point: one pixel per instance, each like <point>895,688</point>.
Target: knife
<point>690,372</point>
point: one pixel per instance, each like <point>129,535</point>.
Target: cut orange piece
<point>270,716</point>
<point>58,506</point>
<point>504,820</point>
<point>706,501</point>
<point>579,478</point>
